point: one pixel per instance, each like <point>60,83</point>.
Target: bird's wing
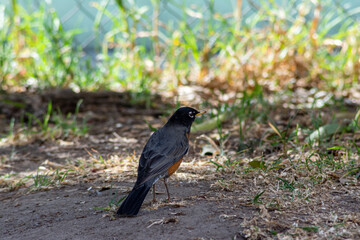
<point>160,153</point>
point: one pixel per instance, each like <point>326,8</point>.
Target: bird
<point>160,158</point>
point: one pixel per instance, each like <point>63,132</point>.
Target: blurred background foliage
<point>272,44</point>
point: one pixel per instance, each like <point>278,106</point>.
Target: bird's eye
<point>191,114</point>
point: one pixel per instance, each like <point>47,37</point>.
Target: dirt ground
<point>67,213</point>
<point>74,211</point>
<point>203,204</point>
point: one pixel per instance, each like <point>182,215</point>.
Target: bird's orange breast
<point>174,167</point>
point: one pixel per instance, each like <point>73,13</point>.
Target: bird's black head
<point>184,116</point>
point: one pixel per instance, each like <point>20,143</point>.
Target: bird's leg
<point>153,190</point>
<point>167,190</point>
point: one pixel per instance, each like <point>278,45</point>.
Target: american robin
<point>161,157</point>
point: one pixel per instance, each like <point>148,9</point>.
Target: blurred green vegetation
<point>295,140</point>
<point>306,43</point>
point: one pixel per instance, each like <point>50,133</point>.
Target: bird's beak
<point>200,113</point>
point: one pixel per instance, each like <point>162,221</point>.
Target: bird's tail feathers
<point>132,204</point>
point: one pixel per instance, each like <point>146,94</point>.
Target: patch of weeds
<point>227,185</point>
<point>286,184</point>
<point>276,164</point>
<point>113,203</point>
<point>313,229</point>
<point>285,136</point>
<point>231,163</point>
<point>44,124</point>
<point>53,125</point>
<point>41,180</point>
<point>69,125</point>
<point>49,179</point>
<point>101,208</point>
<point>357,148</point>
<point>11,128</point>
<point>273,205</point>
<point>273,232</point>
<point>341,224</point>
<point>222,136</point>
<point>218,165</point>
<point>60,176</point>
<point>153,129</point>
<point>355,122</point>
<point>252,109</point>
<point>256,199</point>
<point>353,172</point>
<point>228,162</point>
